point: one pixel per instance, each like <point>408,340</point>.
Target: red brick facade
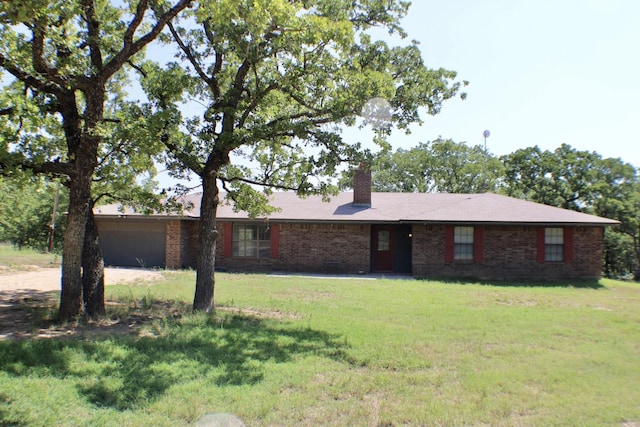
<point>500,252</point>
<point>319,248</point>
<point>508,252</point>
<point>181,244</point>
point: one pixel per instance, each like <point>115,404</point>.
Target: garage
<point>133,243</point>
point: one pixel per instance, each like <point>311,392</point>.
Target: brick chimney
<point>362,187</point>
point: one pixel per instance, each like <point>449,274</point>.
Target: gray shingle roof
<point>485,208</point>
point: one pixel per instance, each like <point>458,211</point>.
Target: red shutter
<point>448,243</point>
<point>541,245</point>
<point>568,245</point>
<point>275,241</point>
<point>478,244</point>
<point>227,236</point>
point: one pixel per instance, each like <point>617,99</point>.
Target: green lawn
<point>12,259</point>
<point>309,351</point>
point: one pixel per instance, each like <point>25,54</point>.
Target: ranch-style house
<point>440,235</point>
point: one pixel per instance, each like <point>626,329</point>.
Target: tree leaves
<point>435,166</point>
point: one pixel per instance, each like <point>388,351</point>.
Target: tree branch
<point>306,114</point>
<point>192,59</point>
<point>254,103</point>
<point>225,180</point>
<point>131,47</point>
<point>37,54</point>
<point>189,161</point>
<point>93,29</point>
<point>28,79</point>
<point>53,168</point>
<point>113,150</point>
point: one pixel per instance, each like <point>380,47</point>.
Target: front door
<point>382,248</point>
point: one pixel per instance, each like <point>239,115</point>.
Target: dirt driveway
<point>22,290</point>
<point>48,279</point>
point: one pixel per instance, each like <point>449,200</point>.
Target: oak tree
<point>442,165</point>
<point>62,60</point>
<point>278,81</point>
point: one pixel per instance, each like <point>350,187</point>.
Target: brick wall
<point>509,252</point>
<point>322,248</point>
<point>332,248</point>
<point>173,244</point>
<point>181,244</point>
<point>189,243</point>
<point>362,187</point>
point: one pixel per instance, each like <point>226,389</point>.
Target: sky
<point>543,73</point>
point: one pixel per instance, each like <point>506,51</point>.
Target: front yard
<point>313,351</point>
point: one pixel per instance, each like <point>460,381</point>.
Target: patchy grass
<point>310,351</point>
<point>12,259</point>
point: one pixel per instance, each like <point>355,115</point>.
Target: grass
<point>12,259</point>
<point>286,351</point>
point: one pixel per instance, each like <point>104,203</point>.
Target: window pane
<point>463,235</point>
<point>264,233</point>
<point>553,236</point>
<point>250,232</point>
<point>251,248</point>
<point>463,252</point>
<point>251,241</point>
<point>554,244</point>
<point>384,238</point>
<point>554,252</point>
<point>265,250</point>
<point>236,232</point>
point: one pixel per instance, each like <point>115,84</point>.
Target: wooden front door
<point>382,248</point>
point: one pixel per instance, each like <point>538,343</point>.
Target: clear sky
<point>542,72</point>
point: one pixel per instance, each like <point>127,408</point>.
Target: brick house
<point>484,236</point>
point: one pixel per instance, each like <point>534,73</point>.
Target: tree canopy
<point>277,80</point>
<point>442,165</point>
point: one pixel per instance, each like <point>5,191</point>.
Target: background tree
<point>565,178</point>
<point>67,57</point>
<point>585,182</point>
<point>442,165</point>
<point>277,80</point>
<point>26,207</point>
<point>618,197</point>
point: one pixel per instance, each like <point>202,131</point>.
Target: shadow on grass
<point>125,372</point>
<point>581,284</point>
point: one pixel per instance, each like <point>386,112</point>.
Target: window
<point>463,243</point>
<point>384,240</point>
<point>251,240</point>
<point>553,244</point>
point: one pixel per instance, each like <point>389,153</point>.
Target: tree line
<point>567,178</point>
<point>95,93</point>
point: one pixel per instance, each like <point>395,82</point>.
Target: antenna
<point>486,134</point>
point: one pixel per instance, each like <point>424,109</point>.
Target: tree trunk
<point>71,292</point>
<point>207,236</point>
<point>636,247</point>
<point>92,270</point>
